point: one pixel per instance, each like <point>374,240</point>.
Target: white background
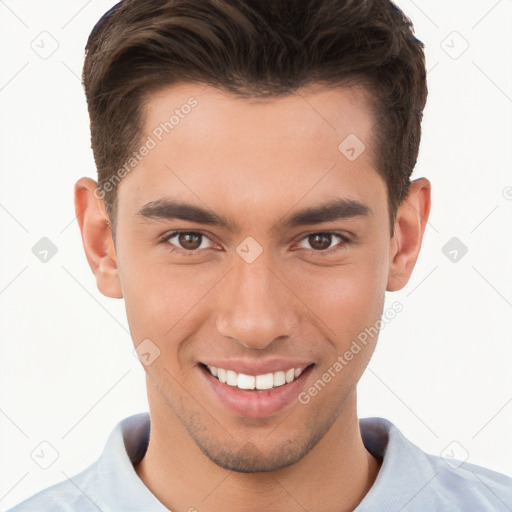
<point>442,369</point>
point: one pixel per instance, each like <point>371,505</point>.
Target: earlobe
<point>97,238</point>
<point>410,226</point>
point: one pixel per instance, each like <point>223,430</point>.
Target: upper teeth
<point>265,381</point>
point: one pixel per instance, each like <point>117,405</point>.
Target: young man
<point>254,205</point>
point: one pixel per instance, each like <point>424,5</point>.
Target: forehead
<point>206,143</point>
<point>307,113</point>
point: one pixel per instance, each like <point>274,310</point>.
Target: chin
<point>249,458</point>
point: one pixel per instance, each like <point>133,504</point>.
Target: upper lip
<point>257,367</point>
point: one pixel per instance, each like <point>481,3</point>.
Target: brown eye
<point>188,241</point>
<point>321,243</point>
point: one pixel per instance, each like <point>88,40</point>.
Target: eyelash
<point>322,253</point>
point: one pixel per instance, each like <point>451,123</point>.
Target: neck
<point>338,469</point>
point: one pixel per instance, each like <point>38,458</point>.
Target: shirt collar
<point>405,469</point>
<point>124,449</point>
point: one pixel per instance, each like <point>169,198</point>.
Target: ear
<point>97,237</point>
<point>411,220</point>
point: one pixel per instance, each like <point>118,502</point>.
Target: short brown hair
<point>255,49</point>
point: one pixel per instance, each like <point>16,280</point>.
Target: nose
<point>256,306</point>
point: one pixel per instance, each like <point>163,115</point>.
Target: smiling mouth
<point>264,382</point>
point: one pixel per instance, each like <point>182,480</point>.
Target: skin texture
<point>255,163</point>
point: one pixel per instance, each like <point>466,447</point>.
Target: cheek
<point>348,298</point>
<point>160,298</point>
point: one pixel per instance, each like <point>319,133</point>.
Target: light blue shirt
<point>409,479</point>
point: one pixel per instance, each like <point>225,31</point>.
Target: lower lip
<point>254,403</point>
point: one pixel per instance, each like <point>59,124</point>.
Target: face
<point>266,279</point>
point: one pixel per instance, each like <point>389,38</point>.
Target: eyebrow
<point>338,209</point>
